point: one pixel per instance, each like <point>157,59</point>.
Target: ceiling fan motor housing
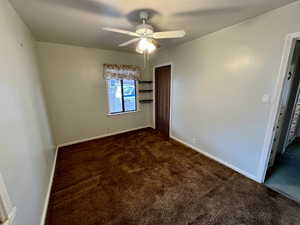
<point>144,29</point>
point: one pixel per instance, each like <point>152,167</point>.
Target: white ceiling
<point>79,22</point>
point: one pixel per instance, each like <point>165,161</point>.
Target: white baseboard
<point>43,219</point>
<point>124,131</point>
<point>101,136</point>
<point>217,159</point>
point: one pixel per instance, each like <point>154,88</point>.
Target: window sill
<point>122,113</point>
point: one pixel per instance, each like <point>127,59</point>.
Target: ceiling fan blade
<point>90,6</point>
<point>121,31</point>
<point>209,11</point>
<point>129,42</point>
<point>169,34</point>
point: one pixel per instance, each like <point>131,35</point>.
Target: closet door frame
<point>286,58</point>
<point>171,95</point>
<point>287,140</point>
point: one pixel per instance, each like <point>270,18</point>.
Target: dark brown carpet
<point>142,178</point>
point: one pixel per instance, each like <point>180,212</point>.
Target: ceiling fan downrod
<point>144,16</point>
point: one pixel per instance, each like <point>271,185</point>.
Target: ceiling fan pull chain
<point>148,56</point>
<point>145,59</point>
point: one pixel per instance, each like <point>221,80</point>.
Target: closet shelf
<point>145,82</point>
<point>145,91</point>
<point>146,101</point>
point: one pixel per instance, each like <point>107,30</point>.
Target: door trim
<point>7,211</point>
<point>288,50</point>
<point>171,95</point>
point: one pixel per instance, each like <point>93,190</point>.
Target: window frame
<point>137,108</point>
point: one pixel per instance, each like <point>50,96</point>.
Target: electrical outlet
<point>194,140</point>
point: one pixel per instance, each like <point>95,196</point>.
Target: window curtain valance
<point>121,72</point>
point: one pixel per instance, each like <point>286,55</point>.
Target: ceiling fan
<point>145,35</point>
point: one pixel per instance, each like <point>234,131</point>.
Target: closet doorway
<point>283,172</point>
<point>162,76</point>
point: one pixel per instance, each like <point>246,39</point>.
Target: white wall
<point>76,92</point>
<point>26,148</point>
<point>218,84</point>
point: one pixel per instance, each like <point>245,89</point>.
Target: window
<point>121,96</point>
<point>121,87</point>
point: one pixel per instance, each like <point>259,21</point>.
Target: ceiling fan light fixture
<point>146,45</point>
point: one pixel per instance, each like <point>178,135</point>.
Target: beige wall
<point>26,148</point>
<point>218,84</point>
<point>76,92</point>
